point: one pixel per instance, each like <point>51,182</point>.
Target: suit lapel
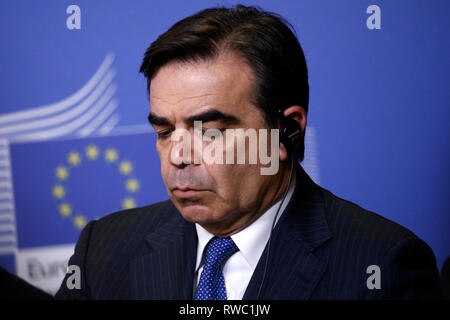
<point>293,269</point>
<point>167,271</point>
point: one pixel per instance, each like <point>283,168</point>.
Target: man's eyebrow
<point>213,115</point>
<point>157,120</point>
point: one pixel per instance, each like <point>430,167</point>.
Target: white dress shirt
<point>251,241</point>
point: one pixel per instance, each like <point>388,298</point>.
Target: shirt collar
<point>252,240</point>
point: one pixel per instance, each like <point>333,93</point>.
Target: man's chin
<point>197,213</point>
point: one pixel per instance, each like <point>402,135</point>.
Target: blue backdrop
<point>75,144</point>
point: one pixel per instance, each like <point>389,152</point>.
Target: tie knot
<point>219,250</point>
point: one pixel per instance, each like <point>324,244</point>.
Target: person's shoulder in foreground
<point>344,252</point>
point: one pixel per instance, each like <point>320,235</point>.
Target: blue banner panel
<point>7,262</point>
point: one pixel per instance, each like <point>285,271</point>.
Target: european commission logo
<point>89,111</point>
<point>62,165</point>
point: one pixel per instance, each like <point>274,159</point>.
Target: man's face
<point>219,94</point>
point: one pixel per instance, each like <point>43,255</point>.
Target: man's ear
<point>298,114</point>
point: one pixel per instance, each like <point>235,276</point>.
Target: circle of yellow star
<point>132,185</point>
<point>92,152</point>
<point>62,173</point>
<point>128,203</point>
<point>111,155</point>
<point>79,221</point>
<point>74,158</point>
<point>125,167</point>
<point>59,191</point>
<point>65,209</point>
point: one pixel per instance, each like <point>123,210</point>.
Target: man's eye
<point>164,134</point>
<point>212,132</point>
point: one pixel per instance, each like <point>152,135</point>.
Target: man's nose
<point>178,156</point>
<point>185,150</point>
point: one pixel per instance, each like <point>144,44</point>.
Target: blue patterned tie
<point>211,285</point>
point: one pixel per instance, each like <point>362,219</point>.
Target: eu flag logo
<point>78,164</point>
<point>59,186</point>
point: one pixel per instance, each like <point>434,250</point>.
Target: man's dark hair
<point>264,40</point>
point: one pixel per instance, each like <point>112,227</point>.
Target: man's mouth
<point>187,192</point>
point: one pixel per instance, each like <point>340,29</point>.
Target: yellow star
<point>59,191</point>
<point>128,203</point>
<point>74,158</point>
<point>125,167</point>
<point>62,173</point>
<point>65,209</point>
<point>92,152</point>
<point>132,185</point>
<point>111,155</point>
<point>79,221</point>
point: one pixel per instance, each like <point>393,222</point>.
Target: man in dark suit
<point>241,230</point>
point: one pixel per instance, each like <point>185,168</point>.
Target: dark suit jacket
<point>321,248</point>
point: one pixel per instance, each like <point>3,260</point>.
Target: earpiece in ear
<point>290,132</point>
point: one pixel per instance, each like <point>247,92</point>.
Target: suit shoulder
<point>361,238</point>
<point>347,218</point>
